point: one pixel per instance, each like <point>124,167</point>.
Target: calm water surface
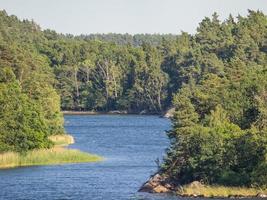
<point>130,145</point>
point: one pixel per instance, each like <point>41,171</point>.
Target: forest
<point>216,79</point>
<point>219,133</point>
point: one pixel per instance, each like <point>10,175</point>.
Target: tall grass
<point>55,155</point>
<point>220,191</point>
<point>62,140</point>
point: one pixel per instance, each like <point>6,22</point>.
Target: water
<point>130,145</point>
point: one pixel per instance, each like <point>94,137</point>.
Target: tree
<point>22,124</point>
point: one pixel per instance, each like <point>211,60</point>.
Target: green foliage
<point>22,125</point>
<point>215,79</point>
<point>29,104</point>
<point>127,39</point>
<point>102,76</point>
<point>219,127</point>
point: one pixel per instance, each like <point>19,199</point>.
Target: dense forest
<point>136,40</point>
<point>42,72</point>
<point>97,75</point>
<point>29,103</point>
<point>215,79</point>
<point>219,133</point>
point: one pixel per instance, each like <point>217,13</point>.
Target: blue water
<point>130,145</point>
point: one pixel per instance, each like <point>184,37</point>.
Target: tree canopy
<point>215,79</point>
<point>219,127</point>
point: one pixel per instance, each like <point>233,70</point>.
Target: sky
<point>126,16</point>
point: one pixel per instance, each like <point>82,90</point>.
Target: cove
<point>130,145</point>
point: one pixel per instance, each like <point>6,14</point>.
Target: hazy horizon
<point>125,16</point>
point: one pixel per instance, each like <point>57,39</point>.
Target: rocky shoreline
<point>161,184</point>
<point>157,184</point>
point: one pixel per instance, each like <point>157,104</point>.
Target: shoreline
<point>160,184</point>
<point>196,189</point>
<point>56,155</point>
<point>115,112</point>
<point>168,113</point>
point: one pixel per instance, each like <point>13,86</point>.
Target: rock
<point>160,189</point>
<point>169,113</point>
<point>156,184</point>
<point>194,195</point>
<point>156,178</point>
<point>117,112</point>
<point>168,186</point>
<point>143,112</point>
<point>261,195</point>
<point>147,187</point>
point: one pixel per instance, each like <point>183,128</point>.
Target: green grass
<point>219,191</point>
<point>53,156</point>
<point>62,140</point>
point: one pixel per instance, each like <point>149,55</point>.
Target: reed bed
<point>220,191</point>
<point>56,155</point>
<point>62,140</point>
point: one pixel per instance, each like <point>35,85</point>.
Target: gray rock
<point>261,195</point>
<point>169,113</point>
<point>156,184</point>
<point>143,112</point>
<point>117,112</point>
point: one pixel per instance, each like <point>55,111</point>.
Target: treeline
<point>29,104</point>
<point>37,68</point>
<point>103,76</point>
<point>219,133</point>
<point>216,80</point>
<point>129,73</point>
<point>136,40</point>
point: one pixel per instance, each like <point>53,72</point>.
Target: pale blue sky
<point>126,16</point>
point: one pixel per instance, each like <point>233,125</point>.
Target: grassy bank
<point>62,140</point>
<point>53,156</point>
<point>219,191</point>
